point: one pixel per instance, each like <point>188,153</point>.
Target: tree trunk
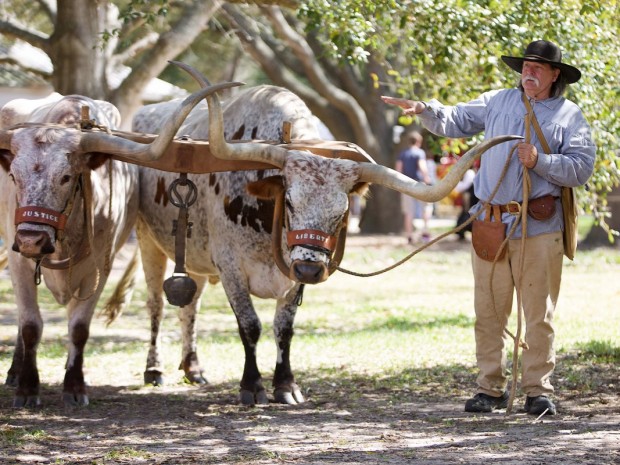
<point>79,66</point>
<point>382,214</point>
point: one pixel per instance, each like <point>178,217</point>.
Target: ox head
<point>315,190</point>
<point>311,209</point>
<point>49,161</point>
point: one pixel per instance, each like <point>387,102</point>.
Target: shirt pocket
<point>553,134</point>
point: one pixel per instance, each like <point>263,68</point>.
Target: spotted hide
<point>232,229</point>
<point>55,202</point>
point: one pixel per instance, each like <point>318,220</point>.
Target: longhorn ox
<point>301,206</point>
<point>59,195</point>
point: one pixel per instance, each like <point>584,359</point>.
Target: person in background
<point>465,188</point>
<point>412,163</point>
<point>570,162</point>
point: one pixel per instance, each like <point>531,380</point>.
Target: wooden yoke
<point>194,156</point>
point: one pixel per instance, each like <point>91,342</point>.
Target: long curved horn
<point>384,176</point>
<point>106,143</point>
<point>202,80</point>
<point>250,151</point>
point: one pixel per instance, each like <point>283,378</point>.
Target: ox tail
<point>4,256</point>
<point>121,296</point>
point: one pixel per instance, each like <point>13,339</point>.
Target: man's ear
<point>267,188</point>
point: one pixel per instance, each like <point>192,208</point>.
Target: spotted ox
<point>61,193</point>
<point>233,225</point>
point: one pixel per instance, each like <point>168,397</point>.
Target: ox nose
<point>33,244</point>
<point>309,272</point>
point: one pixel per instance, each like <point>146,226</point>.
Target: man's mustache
<point>531,78</point>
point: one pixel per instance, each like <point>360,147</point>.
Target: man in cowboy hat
<point>568,161</point>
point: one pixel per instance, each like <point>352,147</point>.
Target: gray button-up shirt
<point>502,112</point>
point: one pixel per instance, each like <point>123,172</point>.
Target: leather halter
<point>310,238</point>
<point>40,215</point>
<point>58,220</point>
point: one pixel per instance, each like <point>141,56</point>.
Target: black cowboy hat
<point>544,52</point>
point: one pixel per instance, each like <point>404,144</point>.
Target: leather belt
<point>514,207</point>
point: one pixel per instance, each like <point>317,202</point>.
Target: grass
<point>16,435</point>
<point>412,326</point>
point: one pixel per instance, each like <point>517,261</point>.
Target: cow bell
<point>180,289</point>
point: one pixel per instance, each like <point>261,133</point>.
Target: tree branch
<point>320,81</point>
<point>13,28</point>
<point>191,23</point>
<point>291,4</point>
<point>265,56</point>
<point>136,48</point>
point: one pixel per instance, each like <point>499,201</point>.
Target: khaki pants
<point>542,274</point>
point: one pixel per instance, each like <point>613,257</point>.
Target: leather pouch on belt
<point>488,235</point>
<point>541,208</point>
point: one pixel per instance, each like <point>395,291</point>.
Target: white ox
<point>60,193</point>
<point>232,224</point>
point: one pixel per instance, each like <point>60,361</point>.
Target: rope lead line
<point>441,236</point>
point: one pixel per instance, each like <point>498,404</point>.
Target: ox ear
<point>267,188</point>
<point>6,157</point>
<point>360,188</point>
<point>96,159</point>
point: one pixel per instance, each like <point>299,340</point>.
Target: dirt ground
<point>205,426</point>
<point>398,426</point>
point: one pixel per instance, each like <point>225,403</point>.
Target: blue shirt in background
<point>410,157</point>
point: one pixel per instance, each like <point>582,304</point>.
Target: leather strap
<point>40,215</point>
<point>530,120</point>
<point>515,207</point>
<point>493,213</point>
<point>311,237</point>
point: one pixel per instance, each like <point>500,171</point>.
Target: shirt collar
<point>551,103</point>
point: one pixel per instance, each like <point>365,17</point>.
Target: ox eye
<point>65,179</point>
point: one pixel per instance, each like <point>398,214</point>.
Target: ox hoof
<point>11,380</point>
<point>154,378</point>
<point>26,401</point>
<point>196,377</point>
<point>290,396</point>
<point>74,400</point>
<point>249,398</point>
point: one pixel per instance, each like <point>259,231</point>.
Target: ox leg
<point>74,387</point>
<point>27,393</point>
<point>80,314</point>
<point>154,263</point>
<point>286,390</point>
<point>187,315</point>
<point>252,390</point>
<point>30,329</point>
<point>12,376</point>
